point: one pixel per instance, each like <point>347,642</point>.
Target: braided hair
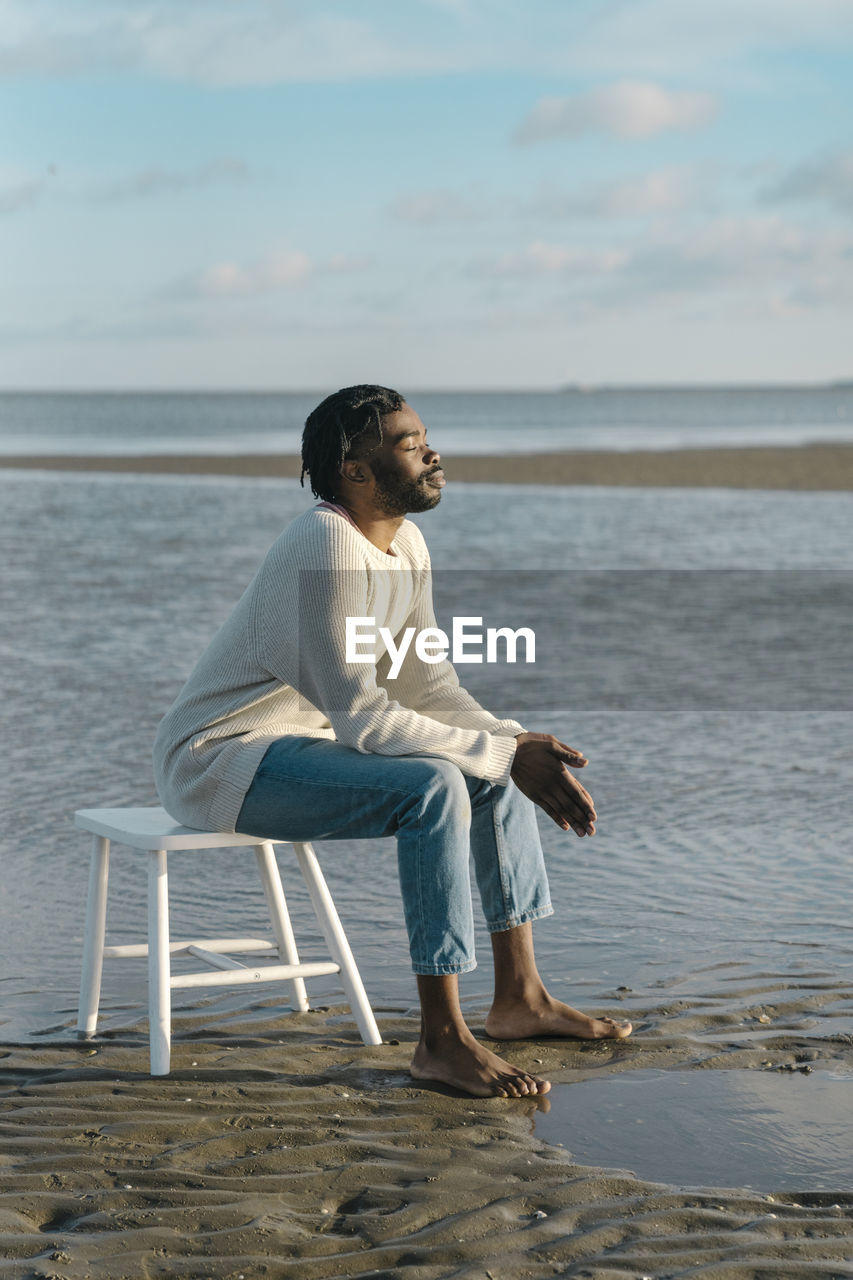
<point>338,429</point>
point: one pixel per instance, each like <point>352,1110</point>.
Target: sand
<point>281,1146</point>
<point>810,467</point>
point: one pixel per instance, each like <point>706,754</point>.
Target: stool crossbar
<point>154,832</point>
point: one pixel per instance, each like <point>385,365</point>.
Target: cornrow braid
<point>338,429</point>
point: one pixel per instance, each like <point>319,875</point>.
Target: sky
<point>298,194</point>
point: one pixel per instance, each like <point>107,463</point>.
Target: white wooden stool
<point>155,832</point>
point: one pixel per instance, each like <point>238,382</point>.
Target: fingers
<point>577,789</point>
<point>576,759</point>
<point>555,817</point>
<point>550,785</point>
<point>580,824</point>
<point>572,805</point>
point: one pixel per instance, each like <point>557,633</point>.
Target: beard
<point>399,497</point>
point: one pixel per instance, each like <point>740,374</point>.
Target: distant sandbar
<point>806,467</point>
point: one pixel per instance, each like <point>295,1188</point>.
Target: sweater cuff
<point>507,729</point>
<point>501,756</point>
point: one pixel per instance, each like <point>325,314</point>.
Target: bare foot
<point>463,1063</point>
<point>549,1017</point>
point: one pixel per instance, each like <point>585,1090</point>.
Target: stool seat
<point>155,829</point>
<point>154,832</point>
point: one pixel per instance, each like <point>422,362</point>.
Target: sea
<point>461,422</point>
<point>695,644</point>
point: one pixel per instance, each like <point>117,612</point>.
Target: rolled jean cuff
<point>443,970</point>
<point>513,922</point>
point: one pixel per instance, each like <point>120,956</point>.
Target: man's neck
<point>378,528</point>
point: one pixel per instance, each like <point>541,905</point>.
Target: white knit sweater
<point>278,667</point>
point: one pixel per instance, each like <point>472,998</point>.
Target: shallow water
<point>766,1130</point>
<point>717,886</point>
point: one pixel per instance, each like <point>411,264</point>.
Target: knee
<point>443,791</point>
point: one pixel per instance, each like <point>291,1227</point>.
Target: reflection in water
<point>767,1130</point>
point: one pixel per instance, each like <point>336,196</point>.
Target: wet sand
<point>809,467</point>
<point>280,1146</point>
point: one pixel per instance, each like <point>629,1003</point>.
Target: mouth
<point>436,479</point>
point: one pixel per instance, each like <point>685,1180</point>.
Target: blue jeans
<point>316,789</point>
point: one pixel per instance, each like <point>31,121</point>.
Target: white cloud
<point>540,258</point>
<point>733,251</point>
<point>154,180</point>
<point>828,179</point>
<point>439,205</point>
<point>216,41</point>
<point>345,263</point>
<point>262,42</point>
<point>650,37</point>
<point>763,262</point>
<point>749,263</point>
<point>275,272</point>
<point>627,109</point>
<point>659,191</point>
<point>20,195</point>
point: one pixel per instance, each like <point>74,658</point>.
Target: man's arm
<point>433,688</point>
<point>312,591</point>
<point>539,765</point>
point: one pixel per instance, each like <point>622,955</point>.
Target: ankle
<point>525,993</point>
<point>437,1036</point>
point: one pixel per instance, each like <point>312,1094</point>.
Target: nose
<point>433,454</point>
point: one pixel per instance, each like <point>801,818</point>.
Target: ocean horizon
<point>139,423</point>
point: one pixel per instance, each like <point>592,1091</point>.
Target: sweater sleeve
<point>433,688</point>
<point>303,636</point>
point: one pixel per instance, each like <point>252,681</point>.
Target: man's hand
<point>539,770</point>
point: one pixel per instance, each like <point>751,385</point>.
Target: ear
<point>355,471</point>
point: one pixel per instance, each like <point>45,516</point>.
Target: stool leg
<point>93,940</point>
<point>159,969</point>
<point>336,941</point>
<point>280,917</point>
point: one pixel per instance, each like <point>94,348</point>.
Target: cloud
<point>650,37</point>
<point>736,262</point>
<point>154,180</point>
<point>540,258</point>
<point>261,42</point>
<point>440,205</point>
<point>828,179</point>
<point>762,261</point>
<point>25,192</point>
<point>20,195</point>
<point>222,43</point>
<point>345,263</point>
<point>627,109</point>
<point>659,191</point>
<point>275,272</point>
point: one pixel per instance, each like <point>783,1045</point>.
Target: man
<point>276,734</point>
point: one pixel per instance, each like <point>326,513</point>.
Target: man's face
<point>406,471</point>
